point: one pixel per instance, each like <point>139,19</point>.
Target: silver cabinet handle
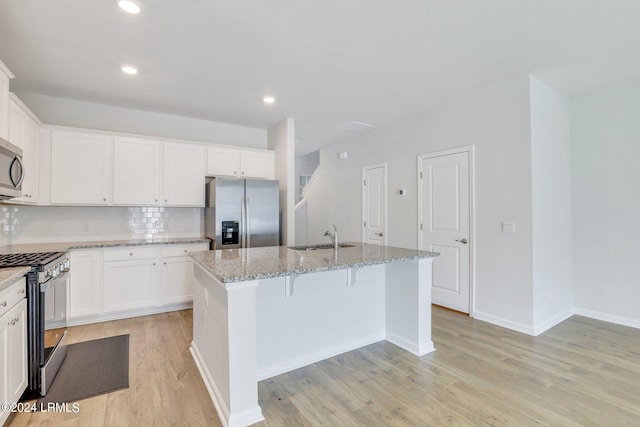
<point>165,263</point>
<point>21,291</point>
<point>4,303</point>
<point>154,263</point>
<point>464,241</point>
<point>379,234</point>
<point>185,251</point>
<point>130,253</point>
<point>104,199</point>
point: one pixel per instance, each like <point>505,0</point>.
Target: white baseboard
<point>550,323</point>
<point>606,317</point>
<point>418,350</point>
<point>269,371</point>
<point>514,326</point>
<point>242,419</point>
<point>86,320</point>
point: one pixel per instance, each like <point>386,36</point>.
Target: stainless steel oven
<point>46,314</point>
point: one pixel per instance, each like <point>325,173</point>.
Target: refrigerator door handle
<point>243,217</point>
<point>247,228</point>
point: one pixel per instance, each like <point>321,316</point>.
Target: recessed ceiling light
<point>129,69</point>
<point>130,6</point>
<point>269,99</point>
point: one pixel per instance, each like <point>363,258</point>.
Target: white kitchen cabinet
<point>5,76</point>
<point>177,272</point>
<point>257,164</point>
<point>223,161</point>
<point>183,175</point>
<point>136,172</point>
<point>24,131</point>
<point>13,345</point>
<point>81,168</point>
<point>85,284</point>
<point>130,278</point>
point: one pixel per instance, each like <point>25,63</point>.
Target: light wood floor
<point>582,372</point>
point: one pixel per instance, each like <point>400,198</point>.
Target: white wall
<point>552,223</point>
<point>281,139</point>
<point>606,203</point>
<point>497,121</point>
<point>69,112</point>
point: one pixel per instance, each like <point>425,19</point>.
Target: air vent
<point>356,126</point>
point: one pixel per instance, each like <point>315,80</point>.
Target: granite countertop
<point>8,276</point>
<point>237,265</point>
<point>66,246</point>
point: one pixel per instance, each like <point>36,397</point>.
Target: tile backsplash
<point>33,224</point>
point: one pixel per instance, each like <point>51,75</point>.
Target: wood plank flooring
<point>583,372</point>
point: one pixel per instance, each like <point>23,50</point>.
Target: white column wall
<point>551,185</point>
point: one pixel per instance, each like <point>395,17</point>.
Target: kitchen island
<point>261,312</point>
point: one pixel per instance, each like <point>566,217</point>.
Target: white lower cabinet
<point>130,277</point>
<point>85,284</point>
<point>128,281</point>
<point>177,273</point>
<point>13,345</point>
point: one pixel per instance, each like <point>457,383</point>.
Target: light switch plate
<point>508,227</point>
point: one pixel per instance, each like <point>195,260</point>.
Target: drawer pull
<point>130,253</point>
<point>21,291</point>
<point>185,251</point>
<point>4,303</point>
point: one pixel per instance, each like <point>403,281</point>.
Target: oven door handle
<point>45,286</point>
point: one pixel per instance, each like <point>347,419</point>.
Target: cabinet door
<point>4,396</point>
<point>183,175</point>
<point>16,348</point>
<point>4,104</point>
<point>85,284</point>
<point>223,161</point>
<point>129,284</point>
<point>257,164</point>
<point>136,172</point>
<point>177,278</point>
<point>81,168</point>
<point>17,124</point>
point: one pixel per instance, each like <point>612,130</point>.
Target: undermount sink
<point>321,246</point>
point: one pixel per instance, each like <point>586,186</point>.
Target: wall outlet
<point>508,226</point>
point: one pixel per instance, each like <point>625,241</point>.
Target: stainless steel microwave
<point>11,170</point>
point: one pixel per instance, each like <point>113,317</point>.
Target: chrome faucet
<point>333,236</point>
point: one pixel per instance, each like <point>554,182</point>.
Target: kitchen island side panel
<point>316,316</point>
<point>224,347</point>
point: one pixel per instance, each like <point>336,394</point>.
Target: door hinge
<point>365,224</point>
<point>364,182</point>
<point>420,226</point>
<point>420,174</point>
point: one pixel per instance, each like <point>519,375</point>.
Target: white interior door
<point>445,225</point>
<point>374,204</point>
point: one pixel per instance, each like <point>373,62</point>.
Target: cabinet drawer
<point>129,253</point>
<point>182,250</point>
<point>12,295</point>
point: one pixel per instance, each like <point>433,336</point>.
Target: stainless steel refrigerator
<point>242,213</point>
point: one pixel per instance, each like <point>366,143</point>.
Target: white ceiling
<point>328,62</point>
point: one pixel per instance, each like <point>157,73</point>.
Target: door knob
<point>464,241</point>
<point>379,234</point>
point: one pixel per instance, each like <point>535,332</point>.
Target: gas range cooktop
<point>39,259</point>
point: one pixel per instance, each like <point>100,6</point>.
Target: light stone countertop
<point>67,246</point>
<point>8,276</point>
<point>238,265</point>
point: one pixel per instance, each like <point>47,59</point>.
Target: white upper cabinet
<point>136,172</point>
<point>24,132</point>
<point>222,161</point>
<point>5,76</point>
<point>81,168</point>
<point>257,164</point>
<point>183,175</point>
